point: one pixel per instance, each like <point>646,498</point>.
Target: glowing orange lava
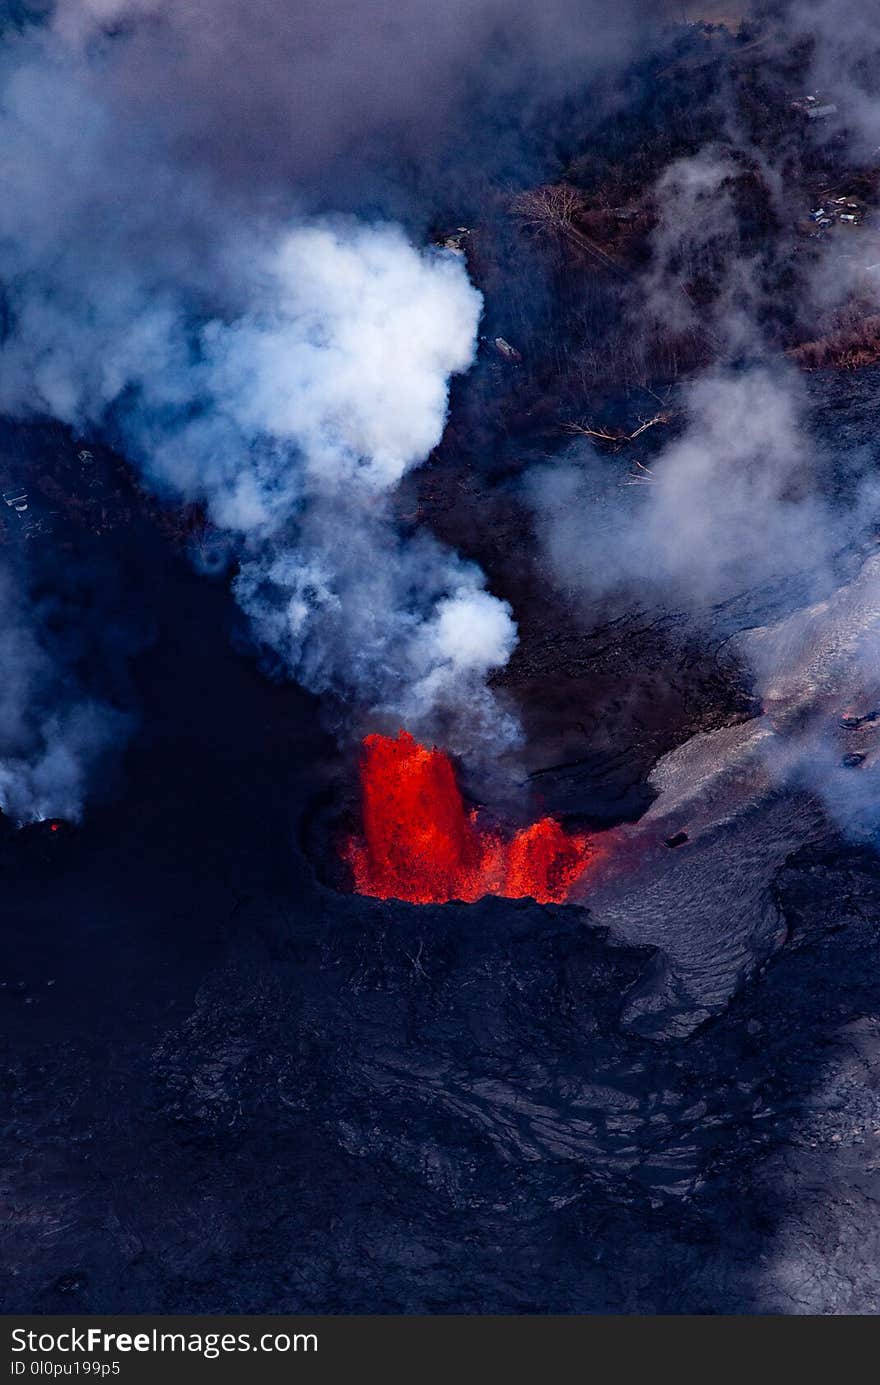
<point>420,844</point>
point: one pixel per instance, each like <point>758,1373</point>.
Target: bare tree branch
<point>616,437</point>
<point>552,207</point>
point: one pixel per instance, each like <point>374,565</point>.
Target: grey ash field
<point>230,1083</point>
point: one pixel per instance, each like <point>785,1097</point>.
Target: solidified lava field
<point>440,733</point>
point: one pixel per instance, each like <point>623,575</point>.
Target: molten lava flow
<point>543,861</point>
<point>420,844</point>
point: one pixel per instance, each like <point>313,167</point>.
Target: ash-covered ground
<point>615,552</point>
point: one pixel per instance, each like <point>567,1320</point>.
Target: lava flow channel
<point>420,844</point>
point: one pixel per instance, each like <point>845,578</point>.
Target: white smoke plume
<point>286,372</point>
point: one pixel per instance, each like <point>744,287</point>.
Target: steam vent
<point>440,652</point>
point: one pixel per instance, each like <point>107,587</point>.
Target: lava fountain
<point>420,844</point>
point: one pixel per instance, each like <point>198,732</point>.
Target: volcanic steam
<point>420,843</point>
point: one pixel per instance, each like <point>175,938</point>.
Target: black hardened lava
<point>230,1087</point>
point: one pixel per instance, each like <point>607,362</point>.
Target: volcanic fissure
<point>420,843</point>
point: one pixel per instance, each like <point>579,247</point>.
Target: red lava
<point>420,844</point>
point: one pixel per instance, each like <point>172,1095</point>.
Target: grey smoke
<point>411,635</point>
<point>697,234</point>
<point>733,502</point>
<point>53,734</point>
<point>844,48</point>
<point>737,514</point>
<point>293,419</point>
<point>818,671</point>
<point>261,94</point>
<point>285,370</point>
<point>169,280</point>
<point>177,277</point>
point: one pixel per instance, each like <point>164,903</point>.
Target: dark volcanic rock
<point>227,1087</point>
<point>375,1107</point>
